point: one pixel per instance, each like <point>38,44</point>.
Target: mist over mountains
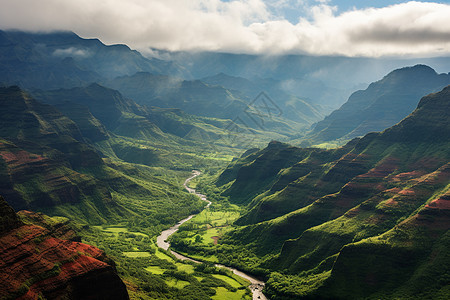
<point>35,60</point>
<point>383,104</point>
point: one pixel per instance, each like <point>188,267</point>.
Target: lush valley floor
<point>148,271</point>
<point>152,273</point>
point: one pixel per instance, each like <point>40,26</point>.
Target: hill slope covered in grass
<point>369,219</point>
<point>48,165</point>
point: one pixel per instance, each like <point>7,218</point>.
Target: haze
<point>393,28</point>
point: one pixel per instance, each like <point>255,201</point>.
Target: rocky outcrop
<point>58,227</point>
<point>35,262</point>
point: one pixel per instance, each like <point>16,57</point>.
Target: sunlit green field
<point>152,273</point>
<point>224,294</point>
<point>137,254</point>
<point>207,227</point>
<point>228,280</point>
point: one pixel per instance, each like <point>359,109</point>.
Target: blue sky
<point>344,5</point>
<point>369,28</point>
<point>292,10</point>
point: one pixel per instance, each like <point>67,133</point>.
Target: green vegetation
<point>205,230</point>
<point>223,293</point>
<point>367,220</point>
<point>153,273</point>
<point>137,254</point>
<point>228,280</point>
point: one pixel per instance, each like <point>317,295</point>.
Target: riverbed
<point>256,285</point>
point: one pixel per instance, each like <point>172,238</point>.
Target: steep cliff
<point>36,262</point>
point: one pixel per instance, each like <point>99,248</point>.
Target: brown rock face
<point>35,263</point>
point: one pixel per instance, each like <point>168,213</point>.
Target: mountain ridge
<point>64,59</point>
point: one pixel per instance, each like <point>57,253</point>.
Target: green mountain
<point>191,96</point>
<point>383,104</point>
<point>90,127</point>
<point>368,220</point>
<point>292,107</point>
<point>47,165</point>
<point>42,152</point>
<point>120,128</point>
<point>213,101</point>
<point>106,105</point>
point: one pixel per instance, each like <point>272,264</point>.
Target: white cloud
<point>71,51</point>
<point>245,26</point>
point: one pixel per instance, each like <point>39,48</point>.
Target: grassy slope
<point>391,176</point>
<point>133,202</point>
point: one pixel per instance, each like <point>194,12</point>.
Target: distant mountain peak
<point>418,69</point>
<point>383,104</point>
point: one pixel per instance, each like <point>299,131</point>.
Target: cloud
<point>242,26</point>
<point>72,51</point>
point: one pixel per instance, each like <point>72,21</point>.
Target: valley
<point>220,176</point>
<point>256,286</point>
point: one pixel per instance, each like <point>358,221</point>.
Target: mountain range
<point>327,80</point>
<point>219,100</point>
<point>49,61</point>
<point>98,140</point>
<point>64,60</point>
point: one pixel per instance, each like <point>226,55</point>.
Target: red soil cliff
<point>35,262</point>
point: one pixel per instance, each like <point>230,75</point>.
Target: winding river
<point>255,286</point>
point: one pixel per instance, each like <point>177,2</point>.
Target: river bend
<point>256,285</point>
